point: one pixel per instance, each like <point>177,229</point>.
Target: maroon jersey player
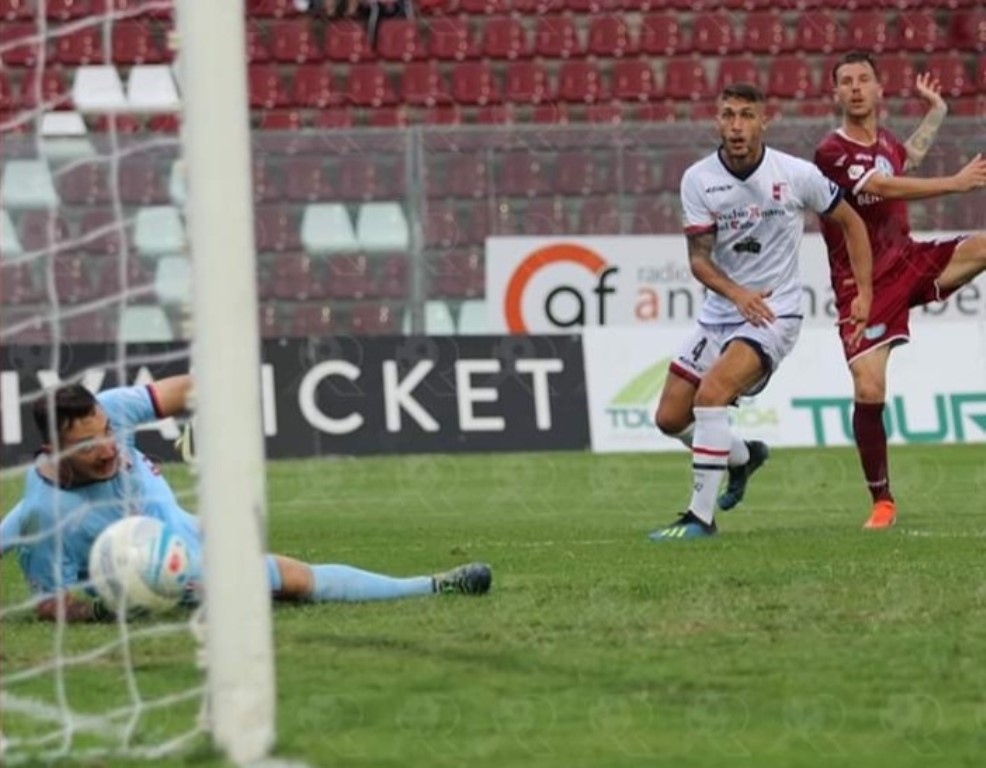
<point>870,164</point>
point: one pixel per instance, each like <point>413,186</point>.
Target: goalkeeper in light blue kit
<point>101,476</point>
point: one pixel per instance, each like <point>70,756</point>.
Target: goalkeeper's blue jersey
<point>57,526</point>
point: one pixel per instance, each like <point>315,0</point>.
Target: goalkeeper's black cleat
<point>468,579</point>
<point>740,476</point>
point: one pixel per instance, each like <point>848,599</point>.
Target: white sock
<point>710,454</point>
<point>739,453</point>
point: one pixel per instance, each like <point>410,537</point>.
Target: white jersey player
<point>743,210</point>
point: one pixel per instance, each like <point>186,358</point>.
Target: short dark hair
<point>744,91</point>
<point>853,57</point>
<point>71,402</point>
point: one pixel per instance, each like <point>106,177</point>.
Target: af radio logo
<point>564,305</point>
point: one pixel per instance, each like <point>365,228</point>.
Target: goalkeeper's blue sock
<point>343,583</point>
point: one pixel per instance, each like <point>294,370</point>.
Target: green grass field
<point>793,639</point>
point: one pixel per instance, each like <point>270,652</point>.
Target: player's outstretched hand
<point>859,315</point>
<point>752,306</point>
<point>929,89</point>
<point>972,176</point>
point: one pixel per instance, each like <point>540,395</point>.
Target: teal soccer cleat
<point>688,526</point>
<point>740,476</point>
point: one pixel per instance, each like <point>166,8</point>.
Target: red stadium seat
<point>870,31</point>
<point>673,167</point>
<point>120,123</point>
<point>684,78</point>
<point>369,86</point>
<point>714,34</point>
<point>134,43</point>
<point>450,39</point>
<point>142,182</point>
<point>346,41</point>
<point>605,113</point>
<point>524,174</point>
<point>41,230</point>
<point>484,7</point>
<point>504,38</point>
<point>817,32</point>
<point>281,120</point>
<point>599,216</point>
<point>73,278</point>
<point>545,216</point>
<point>266,181</point>
<point>655,215</point>
<point>274,8</point>
<point>634,80</point>
<point>13,10</point>
<point>919,31</point>
<point>295,277</point>
<point>277,228</point>
<point>84,46</point>
<point>742,69</point>
<point>374,320</point>
<point>656,113</point>
<point>814,108</point>
<point>448,114</point>
<point>556,37</point>
<point>526,83</point>
<point>63,10</point>
<point>550,113</point>
<point>314,86</point>
<point>56,88</point>
<point>392,277</point>
<point>306,320</point>
<point>293,42</point>
<point>19,285</point>
<point>102,232</point>
<point>465,176</point>
<point>258,49</point>
<point>790,77</point>
<point>163,124</point>
<point>951,71</point>
<point>442,224</point>
<point>898,73</point>
<point>967,30</point>
<point>266,88</point>
<point>580,173</point>
<point>9,99</point>
<point>637,169</point>
<point>981,74</point>
<point>21,37</point>
<point>400,40</point>
<point>357,178</point>
<point>764,32</point>
<point>609,36</point>
<point>538,7</point>
<point>423,84</point>
<point>389,117</point>
<point>472,83</point>
<point>461,274</point>
<point>495,114</point>
<point>334,118</point>
<point>579,81</point>
<point>91,327</point>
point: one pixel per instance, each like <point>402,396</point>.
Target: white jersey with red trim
<point>758,221</point>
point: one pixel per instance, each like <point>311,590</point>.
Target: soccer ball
<point>139,563</point>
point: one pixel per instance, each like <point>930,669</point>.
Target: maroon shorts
<point>910,282</point>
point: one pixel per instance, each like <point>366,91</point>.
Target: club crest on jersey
<point>777,191</point>
<point>884,166</point>
<point>855,172</point>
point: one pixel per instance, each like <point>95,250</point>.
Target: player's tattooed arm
<point>751,304</point>
<point>919,142</point>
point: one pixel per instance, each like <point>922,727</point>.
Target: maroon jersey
<point>850,164</point>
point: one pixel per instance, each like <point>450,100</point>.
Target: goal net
<point>108,216</point>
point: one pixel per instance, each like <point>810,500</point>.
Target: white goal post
<point>226,365</point>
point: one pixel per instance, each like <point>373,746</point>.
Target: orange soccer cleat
<point>884,515</point>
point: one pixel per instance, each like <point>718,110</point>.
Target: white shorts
<point>772,342</point>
